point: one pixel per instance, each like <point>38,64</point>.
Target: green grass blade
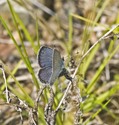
<point>16,17</point>
<point>25,59</point>
<point>25,96</point>
<point>99,71</point>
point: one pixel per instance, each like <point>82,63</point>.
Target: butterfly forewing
<point>45,57</point>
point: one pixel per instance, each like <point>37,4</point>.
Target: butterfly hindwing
<point>44,75</point>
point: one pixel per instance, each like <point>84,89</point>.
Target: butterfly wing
<point>45,57</point>
<point>45,74</point>
<point>57,64</point>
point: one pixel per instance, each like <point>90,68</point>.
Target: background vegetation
<point>86,34</point>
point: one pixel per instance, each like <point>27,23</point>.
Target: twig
<point>6,88</point>
<point>50,114</point>
<point>32,120</point>
<point>39,94</point>
<point>42,7</point>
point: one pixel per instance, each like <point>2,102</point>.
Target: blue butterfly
<point>52,65</point>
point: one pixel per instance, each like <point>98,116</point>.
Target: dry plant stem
<point>77,117</point>
<point>11,120</point>
<point>69,85</point>
<point>21,122</point>
<point>39,94</point>
<point>50,114</point>
<point>112,36</point>
<point>6,90</point>
<point>32,120</point>
<point>42,7</point>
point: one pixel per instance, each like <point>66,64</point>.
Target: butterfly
<point>52,65</point>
